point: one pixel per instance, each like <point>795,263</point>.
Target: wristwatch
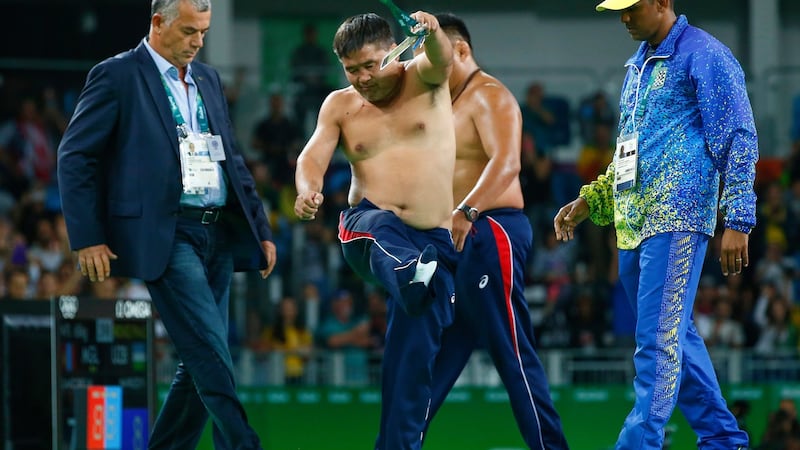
<point>469,212</point>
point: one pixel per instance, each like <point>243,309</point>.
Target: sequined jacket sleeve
<point>599,195</point>
<point>730,132</point>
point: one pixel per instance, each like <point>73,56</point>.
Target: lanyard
<point>202,120</point>
<point>640,103</point>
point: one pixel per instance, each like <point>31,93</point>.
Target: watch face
<point>470,213</point>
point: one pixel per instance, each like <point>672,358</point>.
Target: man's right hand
<point>95,262</point>
<point>307,204</point>
<point>568,217</point>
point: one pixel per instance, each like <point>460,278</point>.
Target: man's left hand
<point>270,254</point>
<point>733,256</point>
<point>461,228</point>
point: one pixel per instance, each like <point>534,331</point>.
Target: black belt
<point>204,215</point>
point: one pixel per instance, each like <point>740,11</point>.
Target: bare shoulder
<point>338,102</point>
<point>488,92</point>
<point>340,97</point>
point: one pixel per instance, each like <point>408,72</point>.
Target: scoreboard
<point>103,392</point>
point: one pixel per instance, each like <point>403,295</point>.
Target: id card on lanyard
<point>198,169</point>
<point>200,153</point>
<point>626,162</point>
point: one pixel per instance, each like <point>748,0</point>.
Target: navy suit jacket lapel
<point>210,98</point>
<point>151,77</point>
<point>214,110</point>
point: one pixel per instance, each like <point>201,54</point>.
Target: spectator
<point>775,267</point>
<point>17,283</point>
<point>595,111</point>
<point>27,149</point>
<point>47,251</point>
<point>768,291</point>
<point>783,429</point>
<point>289,335</point>
<point>376,313</point>
<point>707,295</point>
<point>47,287</point>
<point>792,202</point>
<point>280,215</point>
<point>552,266</point>
<point>743,299</point>
<point>773,212</point>
<point>596,154</point>
<point>233,90</point>
<point>314,254</point>
<point>8,240</point>
<point>278,139</point>
<point>347,335</point>
<point>719,330</point>
<point>534,177</point>
<point>53,117</point>
<point>311,304</point>
<point>587,321</point>
<point>255,337</point>
<point>780,334</point>
<point>267,187</point>
<point>537,164</point>
<point>789,406</point>
<point>598,244</point>
<point>310,64</point>
<point>538,121</point>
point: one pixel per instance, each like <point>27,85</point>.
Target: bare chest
<point>371,129</point>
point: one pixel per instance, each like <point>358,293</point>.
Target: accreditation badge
<point>627,157</point>
<point>199,172</point>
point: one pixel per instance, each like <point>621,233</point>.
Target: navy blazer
<point>119,171</point>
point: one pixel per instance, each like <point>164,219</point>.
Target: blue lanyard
<point>202,120</point>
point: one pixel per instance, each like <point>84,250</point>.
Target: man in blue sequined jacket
<point>685,126</point>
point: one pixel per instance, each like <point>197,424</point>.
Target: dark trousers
<point>192,300</point>
<point>492,313</point>
<point>377,245</point>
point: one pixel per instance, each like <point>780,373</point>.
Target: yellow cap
<point>615,5</point>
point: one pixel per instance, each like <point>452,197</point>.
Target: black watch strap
<point>469,212</point>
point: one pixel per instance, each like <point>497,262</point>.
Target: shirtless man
<point>494,237</point>
<point>395,126</point>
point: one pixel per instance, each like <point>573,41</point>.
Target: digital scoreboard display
<point>104,389</point>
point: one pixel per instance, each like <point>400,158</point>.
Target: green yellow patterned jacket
<point>688,103</point>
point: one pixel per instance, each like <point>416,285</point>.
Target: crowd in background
<point>320,303</point>
<point>573,286</point>
<point>757,309</point>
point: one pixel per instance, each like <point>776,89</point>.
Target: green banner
<point>318,418</point>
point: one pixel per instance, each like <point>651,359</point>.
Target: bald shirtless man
<point>494,237</point>
<point>395,126</point>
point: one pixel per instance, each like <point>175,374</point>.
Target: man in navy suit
<point>153,188</point>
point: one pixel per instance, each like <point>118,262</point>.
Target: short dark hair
<point>360,30</point>
<point>454,26</point>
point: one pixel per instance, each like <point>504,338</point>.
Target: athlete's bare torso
<point>402,153</point>
<point>472,155</point>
